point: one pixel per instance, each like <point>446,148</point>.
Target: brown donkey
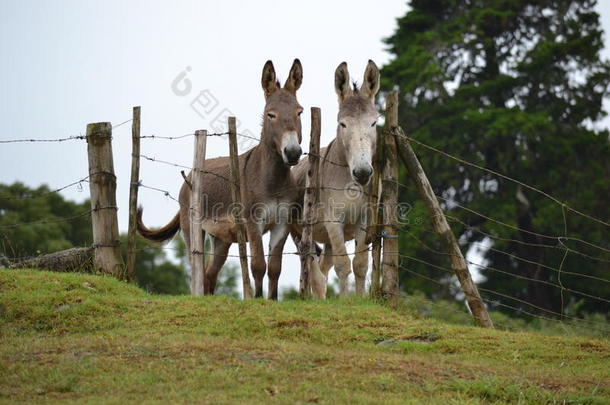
<point>345,173</point>
<point>268,191</point>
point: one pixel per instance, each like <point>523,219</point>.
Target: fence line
<point>167,194</point>
<point>560,239</point>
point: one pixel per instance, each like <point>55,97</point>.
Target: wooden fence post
<point>238,208</point>
<point>375,218</point>
<point>311,277</point>
<point>102,186</point>
<point>133,195</point>
<point>441,227</point>
<point>197,248</point>
<point>389,285</point>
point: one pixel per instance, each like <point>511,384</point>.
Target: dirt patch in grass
<point>291,323</point>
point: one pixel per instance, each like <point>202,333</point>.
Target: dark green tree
<point>32,221</point>
<point>515,86</point>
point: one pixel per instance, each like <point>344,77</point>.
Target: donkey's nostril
<point>363,173</point>
<point>293,154</point>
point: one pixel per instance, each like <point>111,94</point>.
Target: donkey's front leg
<point>361,261</point>
<point>279,233</point>
<point>257,257</point>
<point>340,257</point>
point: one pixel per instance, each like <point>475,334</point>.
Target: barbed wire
<point>542,245</point>
<point>165,162</point>
<point>532,188</point>
<point>168,194</point>
<point>447,270</point>
<point>514,227</point>
<point>122,123</point>
<point>277,192</point>
<point>172,138</point>
<point>519,310</point>
<point>251,256</point>
<point>45,193</point>
<point>559,239</point>
<point>483,246</point>
<point>69,138</point>
<point>57,219</point>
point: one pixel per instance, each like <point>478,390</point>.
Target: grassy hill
<point>84,338</point>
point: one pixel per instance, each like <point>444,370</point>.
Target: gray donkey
<point>345,173</point>
<point>268,189</point>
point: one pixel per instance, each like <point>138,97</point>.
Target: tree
<point>517,87</point>
<point>32,221</point>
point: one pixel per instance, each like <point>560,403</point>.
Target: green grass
<point>84,338</point>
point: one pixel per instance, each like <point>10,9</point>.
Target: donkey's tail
<point>161,234</point>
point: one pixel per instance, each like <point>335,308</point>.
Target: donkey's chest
<point>272,213</point>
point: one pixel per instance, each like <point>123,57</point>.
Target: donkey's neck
<point>336,154</point>
<point>270,166</point>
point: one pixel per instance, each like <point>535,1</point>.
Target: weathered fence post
<point>238,208</point>
<point>311,277</point>
<point>102,186</point>
<point>441,227</point>
<point>375,218</point>
<point>389,193</point>
<point>133,194</point>
<point>197,248</point>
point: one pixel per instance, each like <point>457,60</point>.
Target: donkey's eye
<point>343,125</point>
<point>374,123</point>
<point>271,115</point>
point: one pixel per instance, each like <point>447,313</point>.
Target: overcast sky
<point>69,63</point>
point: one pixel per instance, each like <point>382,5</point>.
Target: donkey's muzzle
<point>293,154</point>
<point>362,174</point>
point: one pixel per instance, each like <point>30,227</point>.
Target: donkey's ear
<point>295,77</point>
<point>269,80</point>
<point>342,82</point>
<point>370,85</point>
